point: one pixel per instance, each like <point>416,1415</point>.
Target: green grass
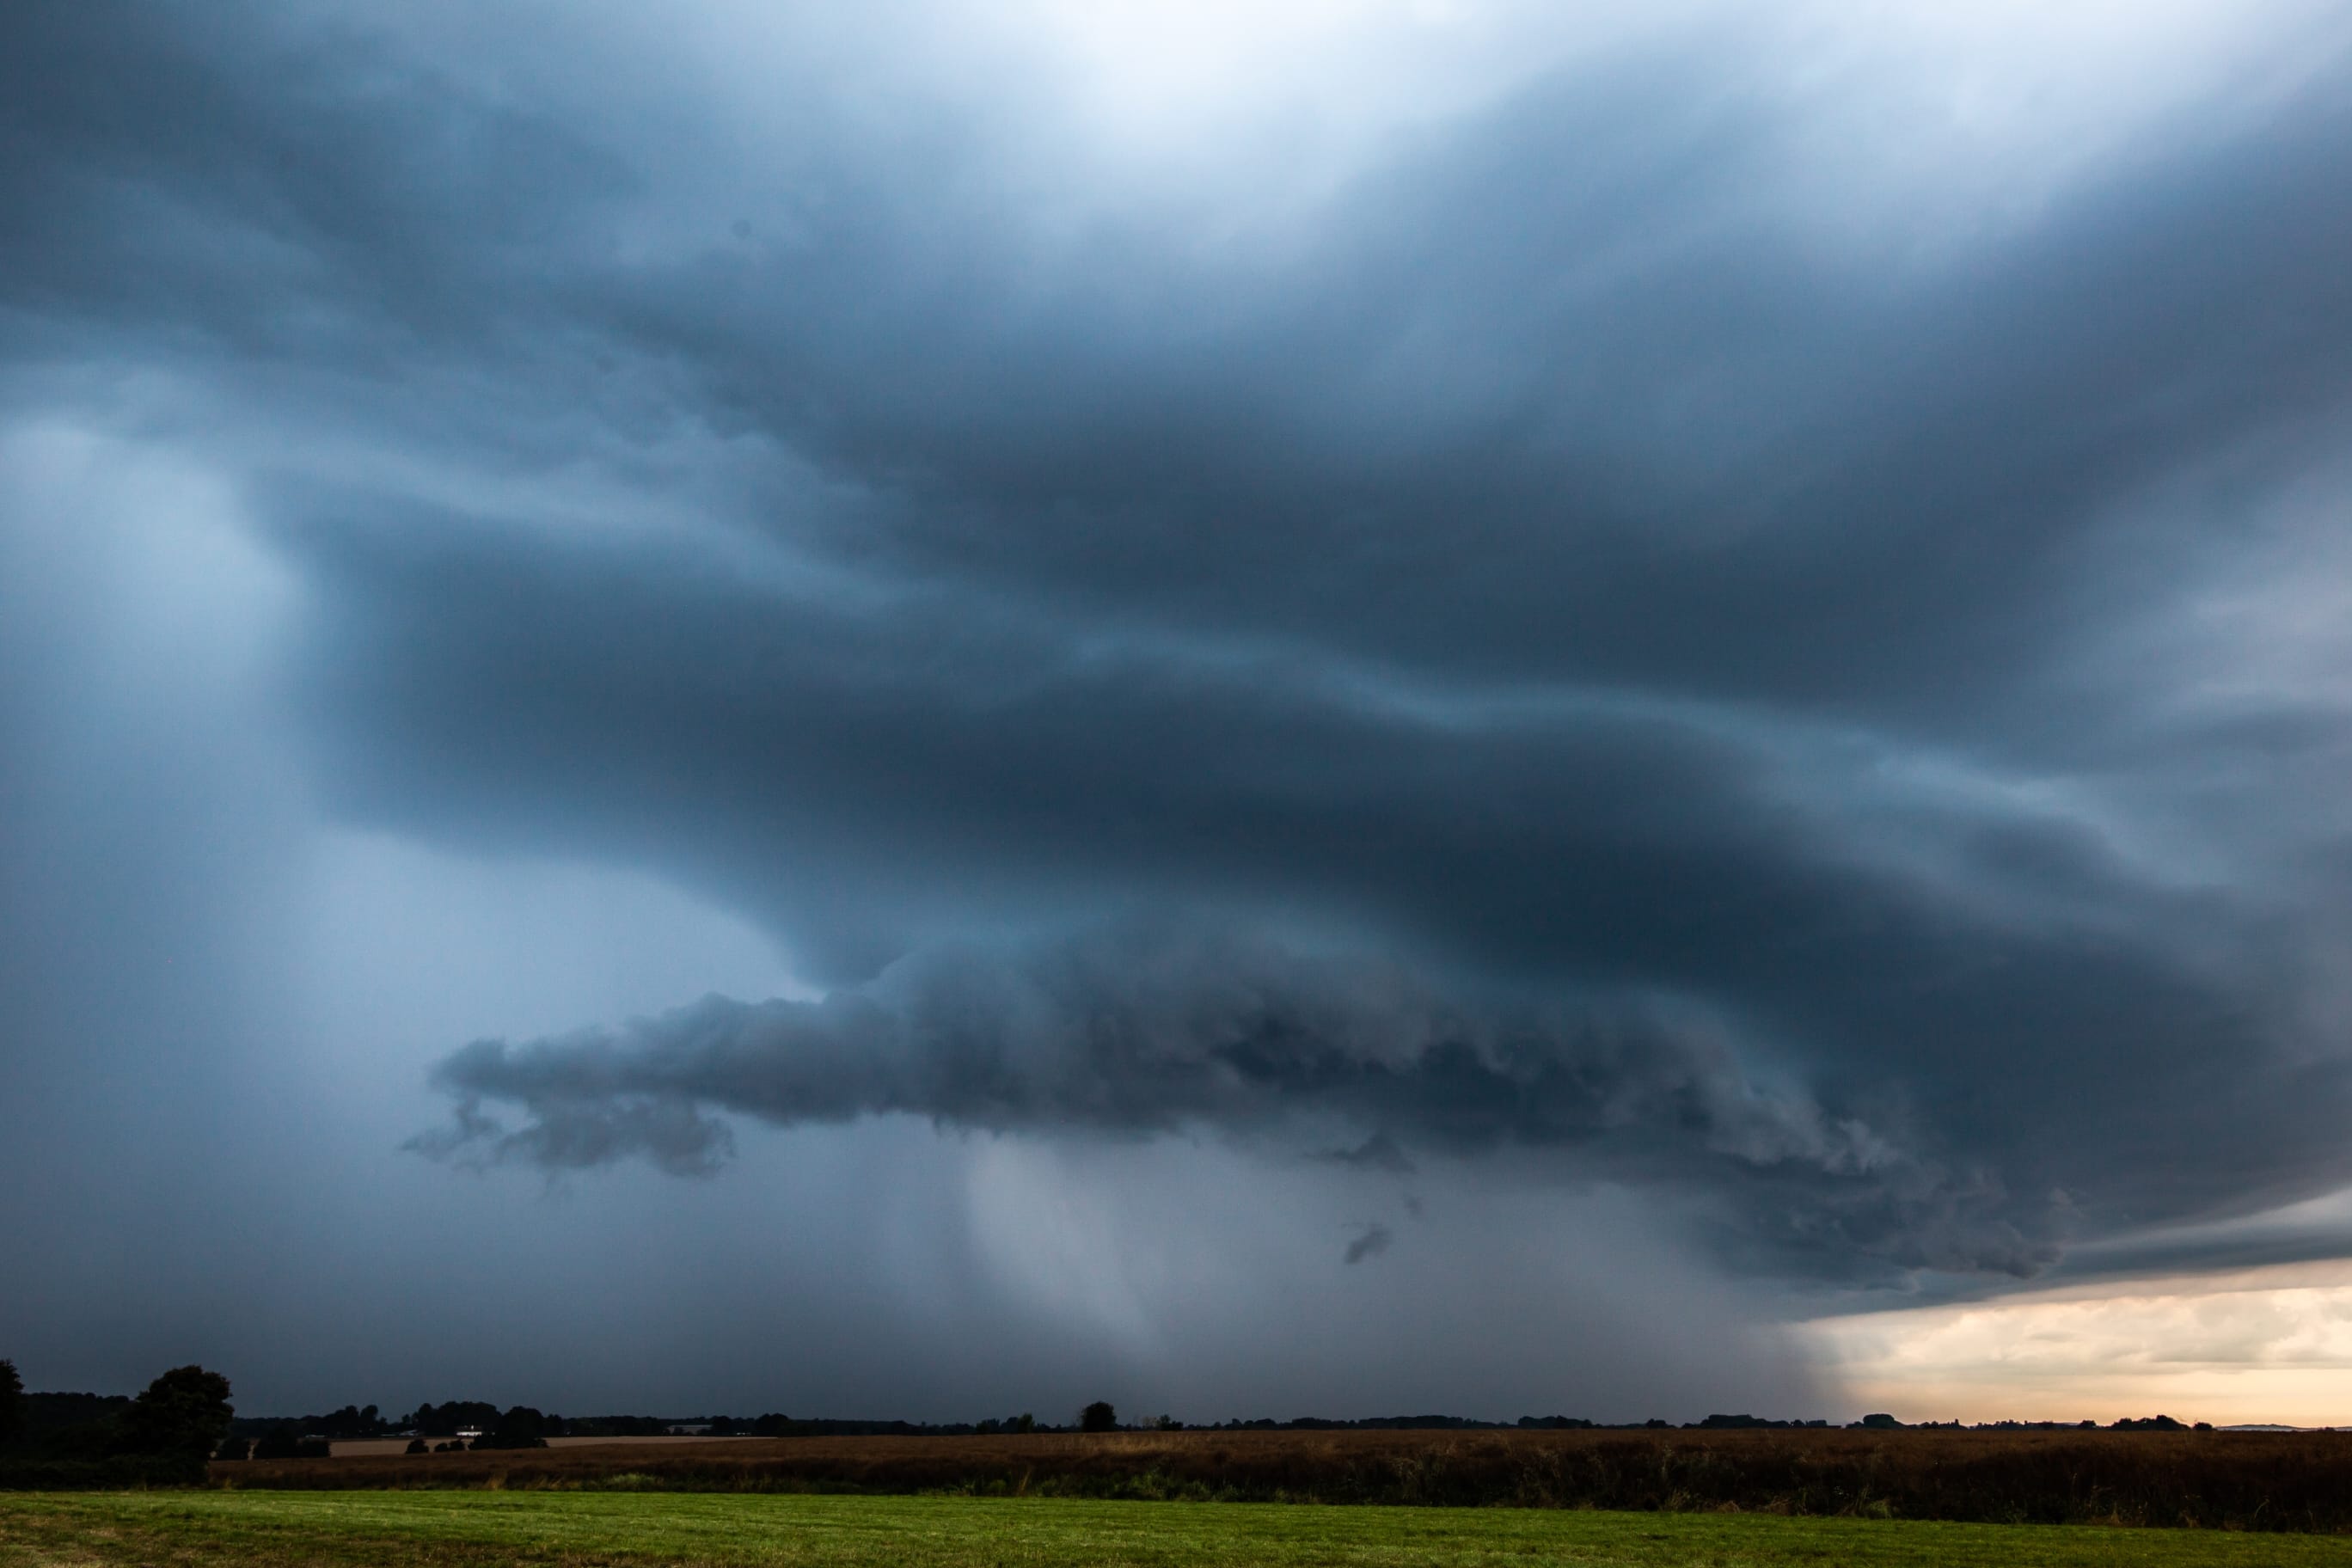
<point>460,1530</point>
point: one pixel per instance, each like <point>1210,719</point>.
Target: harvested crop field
<point>478,1529</point>
<point>2261,1481</point>
<point>394,1448</point>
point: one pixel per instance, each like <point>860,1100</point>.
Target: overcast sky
<point>933,710</point>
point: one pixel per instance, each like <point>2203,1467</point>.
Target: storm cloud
<point>1646,614</point>
<point>1155,1033</point>
<point>1150,1034</point>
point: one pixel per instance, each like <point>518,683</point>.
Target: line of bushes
<point>2229,1480</point>
<point>116,1472</point>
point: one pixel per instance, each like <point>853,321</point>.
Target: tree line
<point>168,1431</point>
<point>161,1436</point>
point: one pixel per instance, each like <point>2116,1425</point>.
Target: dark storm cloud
<point>1564,399</point>
<point>1681,658</point>
<point>1155,1033</point>
<point>1579,845</point>
<point>1377,1152</point>
<point>287,191</point>
<point>1850,1169</point>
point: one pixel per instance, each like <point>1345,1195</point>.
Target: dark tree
<point>283,1441</point>
<point>1098,1418</point>
<point>186,1411</point>
<point>520,1427</point>
<point>417,1446</point>
<point>448,1420</point>
<point>350,1421</point>
<point>233,1448</point>
<point>12,1402</point>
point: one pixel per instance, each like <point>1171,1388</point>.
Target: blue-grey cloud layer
<point>1622,676</point>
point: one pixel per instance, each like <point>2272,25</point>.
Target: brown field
<point>2238,1480</point>
<point>383,1447</point>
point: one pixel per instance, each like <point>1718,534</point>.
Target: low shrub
<point>2300,1481</point>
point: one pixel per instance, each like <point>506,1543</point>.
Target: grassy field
<point>461,1529</point>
